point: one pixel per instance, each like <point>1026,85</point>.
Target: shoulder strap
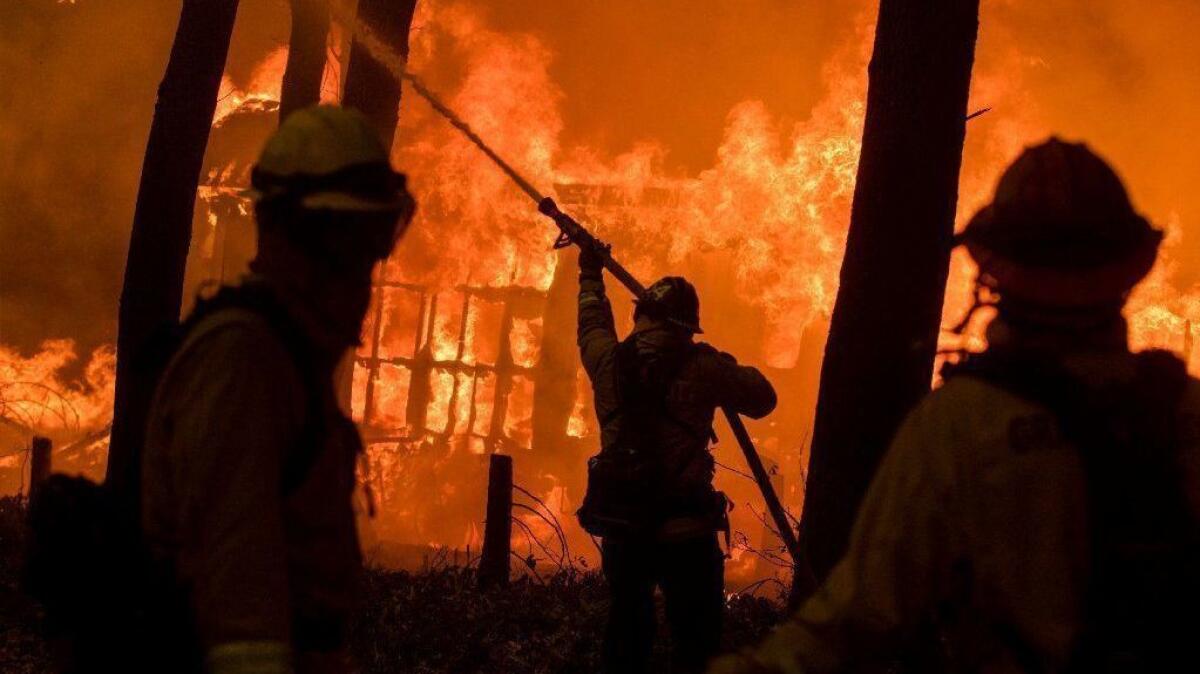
<point>648,403</point>
<point>1144,540</point>
<point>263,302</point>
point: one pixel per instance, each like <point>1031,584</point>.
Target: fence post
<point>39,464</point>
<point>494,565</point>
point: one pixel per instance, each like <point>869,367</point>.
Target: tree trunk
<point>369,85</point>
<point>883,338</point>
<point>162,220</point>
<point>306,56</point>
<point>371,89</point>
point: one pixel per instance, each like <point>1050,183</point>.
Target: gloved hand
<point>735,664</point>
<point>590,263</point>
<point>249,657</point>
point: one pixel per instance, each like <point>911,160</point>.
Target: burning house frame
<point>446,376</point>
<point>451,372</point>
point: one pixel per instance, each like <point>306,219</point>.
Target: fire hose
<point>571,232</point>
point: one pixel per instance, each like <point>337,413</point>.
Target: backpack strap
<point>649,402</point>
<point>261,301</point>
<point>1144,541</point>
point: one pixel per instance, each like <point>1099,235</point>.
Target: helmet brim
<point>339,201</point>
<point>694,329</point>
<point>1065,287</point>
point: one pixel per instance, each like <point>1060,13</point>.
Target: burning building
<point>448,374</point>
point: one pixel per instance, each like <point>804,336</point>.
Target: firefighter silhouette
<point>1040,507</point>
<point>249,464</point>
<point>650,494</point>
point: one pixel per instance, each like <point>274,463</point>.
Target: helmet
<point>674,300</point>
<point>329,158</point>
<point>1061,230</point>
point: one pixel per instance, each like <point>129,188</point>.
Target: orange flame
<point>458,340</point>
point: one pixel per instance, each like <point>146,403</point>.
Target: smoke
<point>670,71</point>
<point>77,98</point>
<point>75,104</point>
<point>1119,75</point>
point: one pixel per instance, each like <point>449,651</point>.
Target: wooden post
<point>497,534</point>
<point>39,464</point>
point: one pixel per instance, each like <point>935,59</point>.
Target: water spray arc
<point>571,232</point>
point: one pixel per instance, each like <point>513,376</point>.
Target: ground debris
<point>436,621</point>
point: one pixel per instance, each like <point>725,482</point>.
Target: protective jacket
<point>264,557</point>
<point>979,512</point>
<point>706,379</point>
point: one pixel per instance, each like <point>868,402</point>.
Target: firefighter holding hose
<point>249,464</point>
<point>650,494</point>
<point>1041,508</point>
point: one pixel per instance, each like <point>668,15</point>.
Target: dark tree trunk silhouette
<point>372,89</point>
<point>162,220</point>
<point>883,338</point>
<point>306,56</point>
<point>369,85</point>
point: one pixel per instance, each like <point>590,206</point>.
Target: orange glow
<point>33,395</point>
<point>36,400</point>
<point>463,331</point>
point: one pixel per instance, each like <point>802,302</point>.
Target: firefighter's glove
<point>590,263</point>
<point>249,657</point>
<point>736,664</point>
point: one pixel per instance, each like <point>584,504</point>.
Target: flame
<point>764,227</point>
<point>263,88</point>
<point>460,334</point>
<point>37,398</point>
<point>34,395</point>
<point>578,426</point>
<point>1159,315</point>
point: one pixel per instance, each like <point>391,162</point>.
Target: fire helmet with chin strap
<point>329,158</point>
<point>674,300</point>
<point>1061,231</point>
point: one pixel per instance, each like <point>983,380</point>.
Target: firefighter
<point>249,464</point>
<point>650,494</point>
<point>1040,508</point>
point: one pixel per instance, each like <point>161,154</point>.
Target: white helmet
<point>329,158</point>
